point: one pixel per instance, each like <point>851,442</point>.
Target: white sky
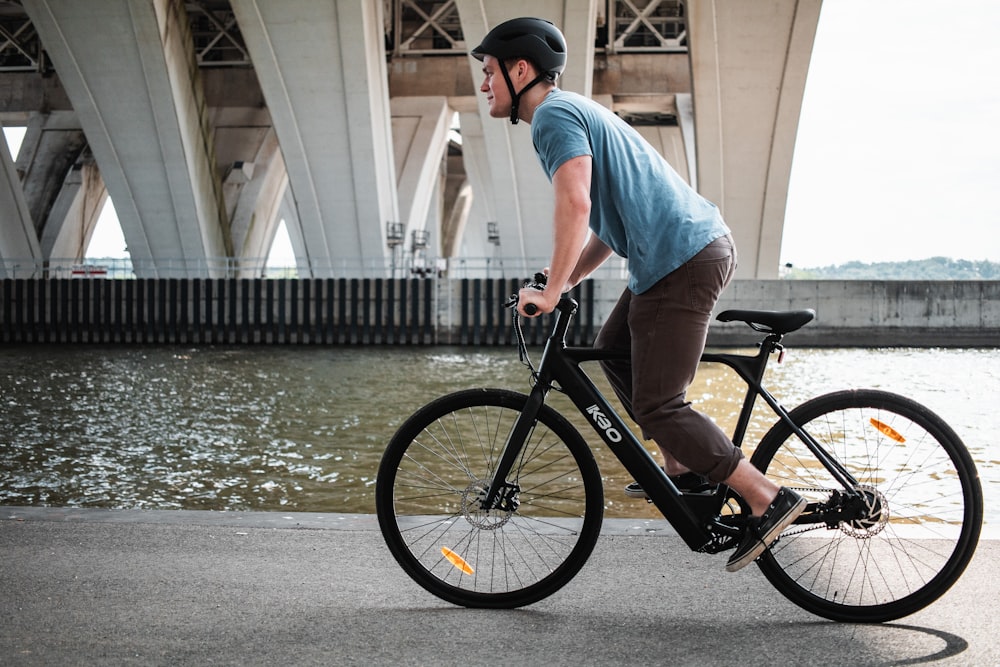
<point>898,151</point>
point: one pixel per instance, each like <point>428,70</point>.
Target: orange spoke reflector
<point>456,560</point>
<point>888,430</point>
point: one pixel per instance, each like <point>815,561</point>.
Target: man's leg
<point>669,326</point>
<point>615,336</point>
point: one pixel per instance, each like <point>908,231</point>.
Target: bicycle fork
<point>502,494</point>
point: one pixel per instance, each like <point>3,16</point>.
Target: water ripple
<point>263,428</point>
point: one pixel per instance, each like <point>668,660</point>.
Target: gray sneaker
<point>763,530</point>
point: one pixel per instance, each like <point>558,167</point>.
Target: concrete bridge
<point>357,122</point>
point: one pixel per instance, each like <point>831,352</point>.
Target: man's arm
<point>593,255</point>
<point>571,183</point>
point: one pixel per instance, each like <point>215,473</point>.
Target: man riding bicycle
<point>615,194</point>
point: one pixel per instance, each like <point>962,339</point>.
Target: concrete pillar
<point>332,123</point>
<point>453,227</point>
<point>18,240</point>
<point>578,23</point>
<point>473,242</point>
<point>254,190</point>
<point>130,72</point>
<point>52,146</point>
<point>62,186</point>
<point>749,62</point>
<point>685,120</point>
<point>420,136</point>
<point>74,214</point>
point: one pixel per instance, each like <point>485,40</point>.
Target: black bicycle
<point>491,498</point>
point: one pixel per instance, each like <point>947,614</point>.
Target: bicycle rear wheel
<point>923,500</point>
<point>435,472</point>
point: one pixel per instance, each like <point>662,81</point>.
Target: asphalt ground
<point>101,587</point>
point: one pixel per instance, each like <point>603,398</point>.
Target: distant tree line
<point>935,268</point>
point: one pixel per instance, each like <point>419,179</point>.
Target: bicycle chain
<point>804,529</point>
<point>849,530</point>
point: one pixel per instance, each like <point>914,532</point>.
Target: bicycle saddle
<point>770,321</point>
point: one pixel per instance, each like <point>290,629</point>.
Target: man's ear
<point>523,68</point>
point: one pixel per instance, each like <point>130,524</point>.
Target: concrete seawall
<point>465,312</point>
<point>876,313</point>
<point>858,313</point>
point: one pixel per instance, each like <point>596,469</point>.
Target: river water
<point>303,429</point>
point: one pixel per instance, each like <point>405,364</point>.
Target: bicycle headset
<point>535,40</point>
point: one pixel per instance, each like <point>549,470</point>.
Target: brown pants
<point>665,329</point>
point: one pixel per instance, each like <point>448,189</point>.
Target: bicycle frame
<point>560,366</point>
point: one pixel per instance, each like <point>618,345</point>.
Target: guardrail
<point>488,268</point>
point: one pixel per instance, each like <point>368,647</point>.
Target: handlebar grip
<point>530,309</point>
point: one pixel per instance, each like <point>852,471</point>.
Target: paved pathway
<point>98,587</point>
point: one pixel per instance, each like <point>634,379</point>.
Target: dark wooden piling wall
<point>257,311</point>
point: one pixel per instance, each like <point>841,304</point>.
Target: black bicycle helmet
<point>535,40</point>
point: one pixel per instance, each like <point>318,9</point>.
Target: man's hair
<point>549,76</point>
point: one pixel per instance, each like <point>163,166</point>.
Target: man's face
<point>495,87</point>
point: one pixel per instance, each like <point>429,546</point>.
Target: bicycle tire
<point>923,490</point>
<point>432,475</point>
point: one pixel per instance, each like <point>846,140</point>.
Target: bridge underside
<point>358,123</point>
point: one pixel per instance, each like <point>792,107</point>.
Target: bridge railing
<point>265,268</point>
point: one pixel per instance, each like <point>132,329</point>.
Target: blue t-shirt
<point>640,207</point>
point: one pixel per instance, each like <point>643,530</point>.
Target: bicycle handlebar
<point>537,282</point>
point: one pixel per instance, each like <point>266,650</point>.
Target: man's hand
<point>545,301</point>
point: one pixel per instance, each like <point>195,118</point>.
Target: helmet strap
<point>515,97</point>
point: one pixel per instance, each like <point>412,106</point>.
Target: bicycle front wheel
<point>923,507</point>
<point>434,475</point>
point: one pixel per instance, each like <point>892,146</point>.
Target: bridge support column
<point>749,62</point>
<point>254,193</point>
<point>420,135</point>
<point>334,128</point>
<point>130,72</point>
<point>76,210</point>
<point>18,239</point>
